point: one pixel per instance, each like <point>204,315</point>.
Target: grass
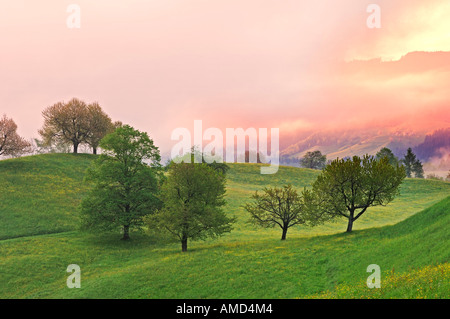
<point>407,239</point>
<point>39,194</point>
<point>423,283</point>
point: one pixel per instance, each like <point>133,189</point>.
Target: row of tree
<point>76,123</point>
<point>72,123</point>
<point>346,188</point>
<point>413,166</point>
<point>131,189</point>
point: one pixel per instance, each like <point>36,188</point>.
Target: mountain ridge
<point>343,143</point>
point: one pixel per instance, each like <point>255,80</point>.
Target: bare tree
<point>278,206</point>
<point>10,142</point>
<point>66,122</point>
<point>100,125</point>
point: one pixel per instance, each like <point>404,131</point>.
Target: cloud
<point>407,26</point>
<point>158,65</point>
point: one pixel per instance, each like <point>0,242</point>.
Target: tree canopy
<point>347,188</point>
<point>75,122</point>
<point>314,160</point>
<point>10,142</point>
<point>412,165</point>
<point>386,152</point>
<point>281,207</point>
<point>126,179</point>
<point>193,197</point>
<point>100,125</point>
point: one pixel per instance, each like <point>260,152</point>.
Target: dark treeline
<point>432,144</point>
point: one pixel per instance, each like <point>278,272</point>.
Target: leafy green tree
<point>281,207</point>
<point>386,152</point>
<point>314,160</point>
<point>196,156</point>
<point>412,165</point>
<point>408,161</point>
<point>126,179</point>
<point>347,188</point>
<point>193,198</point>
<point>417,168</point>
<point>435,177</point>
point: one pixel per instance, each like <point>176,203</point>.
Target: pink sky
<point>158,65</point>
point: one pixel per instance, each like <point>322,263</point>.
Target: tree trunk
<point>350,222</point>
<point>126,234</point>
<point>184,244</point>
<point>94,150</point>
<point>350,225</point>
<point>351,219</point>
<point>75,148</point>
<point>283,236</point>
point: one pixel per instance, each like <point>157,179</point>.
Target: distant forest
<point>433,145</point>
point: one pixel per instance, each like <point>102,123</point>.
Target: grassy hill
<point>39,194</point>
<point>39,239</point>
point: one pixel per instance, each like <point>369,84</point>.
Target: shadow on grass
<point>138,239</point>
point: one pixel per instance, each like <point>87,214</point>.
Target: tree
<point>250,156</point>
<point>408,161</point>
<point>214,162</point>
<point>386,152</point>
<point>347,188</point>
<point>314,160</point>
<point>448,176</point>
<point>40,147</point>
<point>100,125</point>
<point>193,198</point>
<point>417,168</point>
<point>75,123</point>
<point>412,165</point>
<point>10,142</point>
<point>277,206</point>
<point>125,188</point>
<point>435,177</point>
<point>66,123</point>
<point>197,156</point>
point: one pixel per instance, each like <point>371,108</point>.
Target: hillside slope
<point>39,194</point>
<point>38,222</point>
<point>263,267</point>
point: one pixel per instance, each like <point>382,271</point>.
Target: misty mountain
<point>435,145</point>
<point>356,142</point>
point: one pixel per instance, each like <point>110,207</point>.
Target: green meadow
<point>39,238</point>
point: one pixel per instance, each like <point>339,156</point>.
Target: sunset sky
<point>161,64</point>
